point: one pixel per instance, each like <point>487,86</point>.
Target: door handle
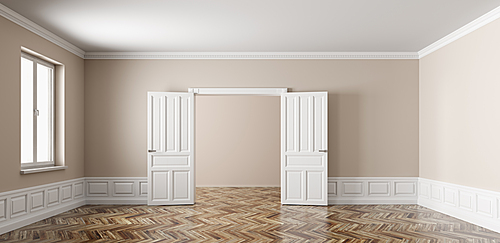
<point>151,151</point>
<point>322,150</point>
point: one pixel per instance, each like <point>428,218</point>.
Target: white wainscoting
<point>116,190</point>
<point>477,206</point>
<point>481,207</point>
<point>25,206</point>
<point>372,190</point>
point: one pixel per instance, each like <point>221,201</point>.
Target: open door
<point>170,148</point>
<point>304,144</point>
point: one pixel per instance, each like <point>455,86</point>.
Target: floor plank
<point>251,215</point>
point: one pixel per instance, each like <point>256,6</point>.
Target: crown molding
<point>44,33</point>
<point>251,55</point>
<point>459,33</point>
<point>39,30</point>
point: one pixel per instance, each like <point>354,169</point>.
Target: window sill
<point>43,169</point>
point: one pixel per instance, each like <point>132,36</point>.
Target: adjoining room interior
<point>230,152</point>
<point>412,118</point>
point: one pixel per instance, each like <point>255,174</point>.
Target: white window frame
<point>35,163</point>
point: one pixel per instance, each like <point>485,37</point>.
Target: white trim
<point>476,206</point>
<point>459,33</point>
<point>372,190</point>
<point>42,169</point>
<point>34,217</point>
<point>238,91</point>
<point>36,58</point>
<point>25,206</point>
<point>39,30</point>
<point>251,55</point>
<point>219,186</point>
<point>40,56</point>
<point>117,201</point>
<point>106,190</point>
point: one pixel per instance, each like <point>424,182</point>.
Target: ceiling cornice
<point>251,55</point>
<point>464,30</point>
<point>39,30</point>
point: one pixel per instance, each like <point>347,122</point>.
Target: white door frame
<point>241,91</point>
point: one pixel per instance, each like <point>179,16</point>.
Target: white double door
<point>304,143</point>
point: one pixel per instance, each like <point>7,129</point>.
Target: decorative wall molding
<point>481,207</point>
<point>39,30</point>
<point>251,55</point>
<point>372,190</point>
<point>477,206</point>
<point>352,190</point>
<point>464,30</point>
<point>25,206</point>
<point>116,190</point>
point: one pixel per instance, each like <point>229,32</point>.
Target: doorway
<point>303,135</point>
<point>237,141</point>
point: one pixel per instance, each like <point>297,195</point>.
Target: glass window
<point>37,112</point>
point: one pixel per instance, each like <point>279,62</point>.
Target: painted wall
<point>11,40</point>
<point>237,140</point>
<point>373,108</point>
<point>460,111</point>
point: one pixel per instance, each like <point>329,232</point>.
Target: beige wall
<point>11,40</point>
<point>373,108</point>
<point>237,141</point>
<point>460,111</point>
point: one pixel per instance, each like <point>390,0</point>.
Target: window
<point>37,112</point>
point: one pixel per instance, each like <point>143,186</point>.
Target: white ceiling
<point>251,25</point>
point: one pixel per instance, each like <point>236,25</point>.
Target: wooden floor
<point>251,214</point>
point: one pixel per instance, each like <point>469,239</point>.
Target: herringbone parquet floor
<point>251,214</point>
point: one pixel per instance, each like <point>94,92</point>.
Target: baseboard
<point>19,208</point>
<point>372,190</point>
<point>115,201</point>
<point>239,186</point>
<point>477,206</point>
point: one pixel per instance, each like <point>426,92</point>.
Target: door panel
<point>314,185</point>
<point>160,160</point>
<point>304,144</point>
<point>160,185</point>
<point>294,185</point>
<point>186,118</point>
<point>171,121</point>
<point>181,185</point>
<point>301,160</point>
<point>171,148</point>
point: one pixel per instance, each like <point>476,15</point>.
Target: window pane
<point>26,110</point>
<point>44,125</point>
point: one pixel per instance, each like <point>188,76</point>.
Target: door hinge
<point>151,151</point>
